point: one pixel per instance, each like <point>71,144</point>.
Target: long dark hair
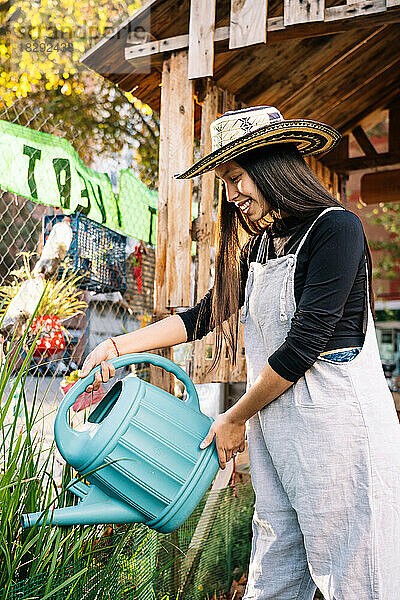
<point>288,185</point>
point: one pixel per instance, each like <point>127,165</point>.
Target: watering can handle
<point>122,361</point>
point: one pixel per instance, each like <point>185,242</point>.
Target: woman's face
<point>242,190</point>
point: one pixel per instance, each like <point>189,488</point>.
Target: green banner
<point>46,169</point>
<point>139,205</point>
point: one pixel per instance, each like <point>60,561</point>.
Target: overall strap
<point>312,225</point>
<point>261,248</point>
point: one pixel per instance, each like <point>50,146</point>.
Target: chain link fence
<point>196,562</point>
<point>22,228</point>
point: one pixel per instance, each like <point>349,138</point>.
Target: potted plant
<point>55,300</point>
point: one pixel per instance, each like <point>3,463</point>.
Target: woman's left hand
<point>229,438</point>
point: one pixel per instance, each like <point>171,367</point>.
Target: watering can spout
<point>95,508</point>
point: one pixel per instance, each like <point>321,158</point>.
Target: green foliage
<point>59,95</point>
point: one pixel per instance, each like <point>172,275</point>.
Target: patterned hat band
<point>234,124</point>
<point>239,131</point>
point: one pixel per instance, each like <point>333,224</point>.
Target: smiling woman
<point>321,433</point>
<point>241,189</point>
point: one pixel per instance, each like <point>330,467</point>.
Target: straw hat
<point>238,131</point>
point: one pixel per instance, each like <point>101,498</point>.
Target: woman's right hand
<point>99,356</point>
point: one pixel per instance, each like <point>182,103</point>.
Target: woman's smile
<point>242,191</point>
<point>245,205</point>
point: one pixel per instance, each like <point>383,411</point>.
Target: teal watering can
<point>140,452</point>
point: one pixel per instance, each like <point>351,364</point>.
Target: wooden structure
<point>331,60</point>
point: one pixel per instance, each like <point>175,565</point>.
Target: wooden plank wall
<point>330,179</point>
<point>160,298</point>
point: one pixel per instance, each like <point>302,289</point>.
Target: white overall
<point>325,462</point>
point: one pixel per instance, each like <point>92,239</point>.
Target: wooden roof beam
<point>382,100</point>
<point>337,18</point>
<point>364,162</point>
<point>311,82</point>
<point>364,142</point>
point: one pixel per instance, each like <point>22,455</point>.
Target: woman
<point>323,435</point>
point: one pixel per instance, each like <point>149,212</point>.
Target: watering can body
<point>140,451</point>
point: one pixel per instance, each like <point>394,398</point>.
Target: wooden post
<point>172,273</point>
<point>201,38</point>
<point>160,301</point>
<point>204,227</point>
<point>248,23</point>
<point>180,156</point>
<point>223,370</point>
<point>157,377</point>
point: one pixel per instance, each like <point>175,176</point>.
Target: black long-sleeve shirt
<point>330,289</point>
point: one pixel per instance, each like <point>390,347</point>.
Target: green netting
<point>196,561</point>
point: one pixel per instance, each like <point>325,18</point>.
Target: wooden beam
<point>355,9</point>
<point>204,230</point>
<point>363,141</point>
<point>365,162</point>
<point>178,42</point>
<point>248,23</point>
<point>160,298</point>
<point>160,377</point>
<point>394,127</point>
<point>180,156</point>
<point>383,186</point>
<point>201,38</point>
<point>326,69</point>
<point>390,3</point>
<point>200,362</point>
<point>337,18</point>
<point>302,11</point>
